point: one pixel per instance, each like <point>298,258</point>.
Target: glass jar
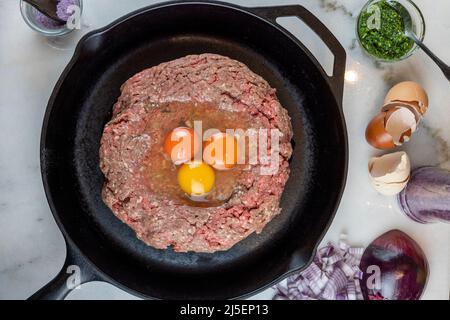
<point>418,25</point>
<point>30,16</point>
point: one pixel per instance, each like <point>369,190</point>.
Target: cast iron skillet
<point>104,248</point>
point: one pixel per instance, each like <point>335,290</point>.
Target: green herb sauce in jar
<point>381,31</point>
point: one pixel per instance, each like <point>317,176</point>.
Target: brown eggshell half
<point>376,134</point>
<point>409,92</point>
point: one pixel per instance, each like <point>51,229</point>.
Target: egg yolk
<point>221,151</point>
<point>181,144</point>
<point>196,178</point>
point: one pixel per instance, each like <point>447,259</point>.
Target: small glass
<point>418,24</point>
<point>29,16</point>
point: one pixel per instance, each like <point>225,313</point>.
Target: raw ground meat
<point>127,141</point>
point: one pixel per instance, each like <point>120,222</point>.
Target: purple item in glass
<point>61,9</point>
<point>426,198</point>
<point>46,21</point>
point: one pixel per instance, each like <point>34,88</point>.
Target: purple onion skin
<point>46,21</point>
<point>403,268</point>
<point>62,6</point>
<point>426,198</point>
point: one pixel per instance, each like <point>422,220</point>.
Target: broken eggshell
<point>390,173</point>
<point>392,127</point>
<point>408,92</point>
<point>404,106</point>
<point>394,105</point>
<point>376,134</point>
<point>400,124</point>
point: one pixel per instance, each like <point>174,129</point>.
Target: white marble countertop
<point>32,249</point>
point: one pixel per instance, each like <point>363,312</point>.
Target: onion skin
<point>426,198</point>
<point>402,264</point>
<point>376,134</point>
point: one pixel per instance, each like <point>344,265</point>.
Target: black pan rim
<point>78,50</point>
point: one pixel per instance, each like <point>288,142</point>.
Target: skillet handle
<point>337,79</point>
<point>76,271</point>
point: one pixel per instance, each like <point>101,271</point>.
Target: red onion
<point>333,275</point>
<point>426,198</point>
<point>394,268</point>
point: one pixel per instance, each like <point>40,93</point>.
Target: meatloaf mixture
<point>137,178</point>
